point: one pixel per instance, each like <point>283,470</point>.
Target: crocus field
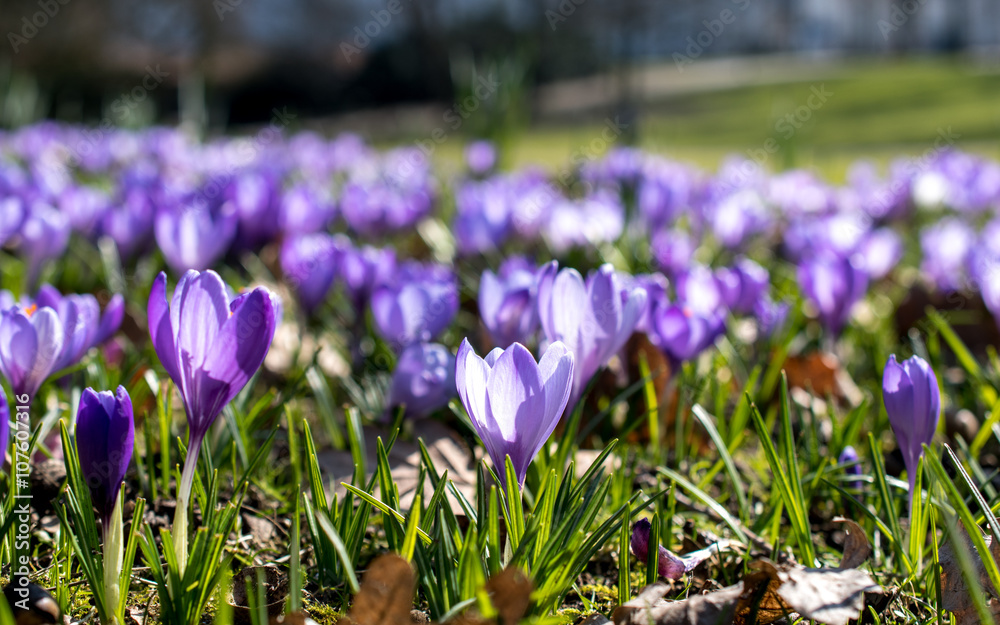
<point>295,375</point>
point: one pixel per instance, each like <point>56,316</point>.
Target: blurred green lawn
<point>878,110</point>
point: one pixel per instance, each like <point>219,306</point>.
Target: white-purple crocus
<point>419,304</point>
<point>31,343</point>
<point>514,402</point>
<point>593,319</point>
<point>210,346</point>
<point>913,402</point>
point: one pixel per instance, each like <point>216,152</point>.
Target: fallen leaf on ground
<point>954,593</point>
<point>856,546</point>
<point>510,592</point>
<point>767,594</point>
<point>386,595</point>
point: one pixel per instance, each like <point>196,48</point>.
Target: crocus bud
<point>850,456</point>
<point>669,565</point>
<point>105,433</point>
<point>507,302</point>
<point>913,403</point>
<point>834,284</point>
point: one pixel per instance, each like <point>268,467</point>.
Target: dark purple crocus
<point>849,456</point>
<point>834,284</point>
<point>668,565</point>
<point>507,301</point>
<point>417,307</point>
<point>593,319</point>
<point>105,433</point>
<point>195,236</point>
<point>309,263</point>
<point>31,343</point>
<point>682,334</point>
<point>514,402</point>
<point>424,379</point>
<point>913,402</point>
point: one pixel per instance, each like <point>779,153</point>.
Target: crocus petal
<point>160,328</point>
<point>112,319</point>
<point>237,352</point>
<point>49,333</point>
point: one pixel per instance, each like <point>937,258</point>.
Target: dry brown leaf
<point>386,594</point>
<point>649,607</point>
<point>510,592</point>
<point>444,446</point>
<point>954,593</point>
<point>856,546</point>
<point>767,594</point>
<point>821,373</point>
<point>831,596</point>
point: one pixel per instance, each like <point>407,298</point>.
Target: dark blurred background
<point>387,68</point>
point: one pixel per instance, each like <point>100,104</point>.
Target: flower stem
<point>180,528</point>
<point>114,554</point>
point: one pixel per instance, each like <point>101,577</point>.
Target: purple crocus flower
<point>304,208</point>
<point>668,565</point>
<point>417,307</point>
<point>309,263</point>
<point>514,402</point>
<point>880,251</point>
<point>31,342</point>
<point>11,217</point>
<point>682,334</point>
<point>946,246</point>
<point>195,236</point>
<point>834,284</point>
<point>913,402</point>
<point>83,325</point>
<point>481,157</point>
<point>743,286</point>
<point>44,237</point>
<point>253,195</point>
<point>363,270</point>
<point>593,319</point>
<point>424,379</point>
<point>209,345</point>
<point>105,433</point>
<point>850,456</point>
<point>482,215</point>
<point>770,315</point>
<point>673,250</point>
<point>507,304</point>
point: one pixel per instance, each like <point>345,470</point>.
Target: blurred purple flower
<point>416,307</point>
<point>481,157</point>
<point>304,208</point>
<point>682,334</point>
<point>514,402</point>
<point>880,251</point>
<point>850,456</point>
<point>946,246</point>
<point>105,434</point>
<point>913,402</point>
<point>195,236</point>
<point>743,286</point>
<point>254,195</point>
<point>508,303</point>
<point>424,379</point>
<point>44,237</point>
<point>310,264</point>
<point>363,270</point>
<point>593,319</point>
<point>673,250</point>
<point>482,215</point>
<point>834,284</point>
